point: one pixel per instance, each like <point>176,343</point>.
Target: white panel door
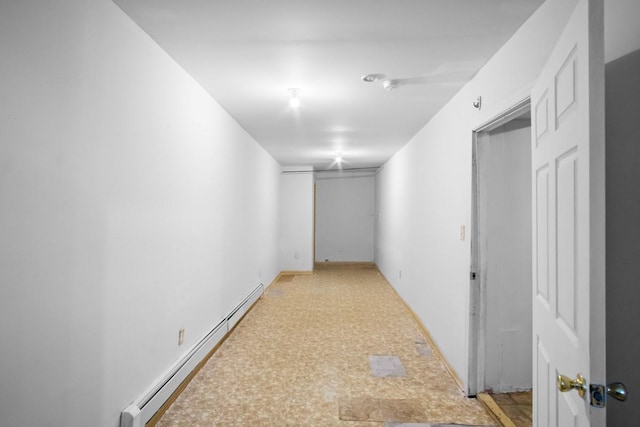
<point>568,221</point>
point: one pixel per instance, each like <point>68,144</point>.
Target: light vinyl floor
<point>303,352</point>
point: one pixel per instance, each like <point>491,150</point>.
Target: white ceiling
<point>248,53</point>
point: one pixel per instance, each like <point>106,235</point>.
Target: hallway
<point>307,354</point>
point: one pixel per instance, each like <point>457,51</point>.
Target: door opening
<point>501,325</point>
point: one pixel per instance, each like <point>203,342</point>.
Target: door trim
<point>477,296</point>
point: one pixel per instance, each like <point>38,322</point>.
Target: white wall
<point>423,194</point>
<point>296,219</point>
<point>344,219</point>
<point>504,217</point>
<point>132,205</point>
<point>621,29</point>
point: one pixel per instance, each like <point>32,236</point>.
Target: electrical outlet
<point>181,336</point>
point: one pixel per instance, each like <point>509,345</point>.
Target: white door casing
<point>568,207</point>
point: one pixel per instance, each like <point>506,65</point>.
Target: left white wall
<point>133,205</point>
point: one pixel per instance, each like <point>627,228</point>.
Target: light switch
<point>462,232</point>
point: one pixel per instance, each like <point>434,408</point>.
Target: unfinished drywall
<point>344,219</point>
<point>623,233</point>
<point>504,218</point>
<point>423,194</point>
<point>296,219</point>
<point>132,206</point>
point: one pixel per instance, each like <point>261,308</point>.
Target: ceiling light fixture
<point>370,78</point>
<point>339,159</point>
<point>390,85</point>
<point>294,100</point>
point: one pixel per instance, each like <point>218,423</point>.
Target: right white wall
<point>423,194</point>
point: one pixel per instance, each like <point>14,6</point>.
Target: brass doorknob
<point>618,391</point>
<point>566,384</point>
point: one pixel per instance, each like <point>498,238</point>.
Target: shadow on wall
<point>623,233</point>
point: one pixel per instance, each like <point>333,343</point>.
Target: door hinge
<point>473,275</point>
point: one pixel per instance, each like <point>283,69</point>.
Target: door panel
<point>542,236</point>
<point>566,240</point>
<point>568,221</point>
<point>541,396</point>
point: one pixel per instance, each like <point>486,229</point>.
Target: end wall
<point>132,205</point>
<point>344,219</point>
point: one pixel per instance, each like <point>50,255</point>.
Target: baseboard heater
<point>144,408</point>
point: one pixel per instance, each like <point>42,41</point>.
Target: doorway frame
<point>477,287</point>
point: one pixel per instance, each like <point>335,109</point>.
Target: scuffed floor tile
<point>386,366</point>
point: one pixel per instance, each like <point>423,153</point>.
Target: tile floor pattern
<point>305,346</point>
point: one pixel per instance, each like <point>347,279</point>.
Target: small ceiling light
<point>390,85</point>
<point>338,159</point>
<point>370,78</point>
<point>294,101</point>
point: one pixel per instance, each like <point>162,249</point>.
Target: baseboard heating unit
<point>144,408</point>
